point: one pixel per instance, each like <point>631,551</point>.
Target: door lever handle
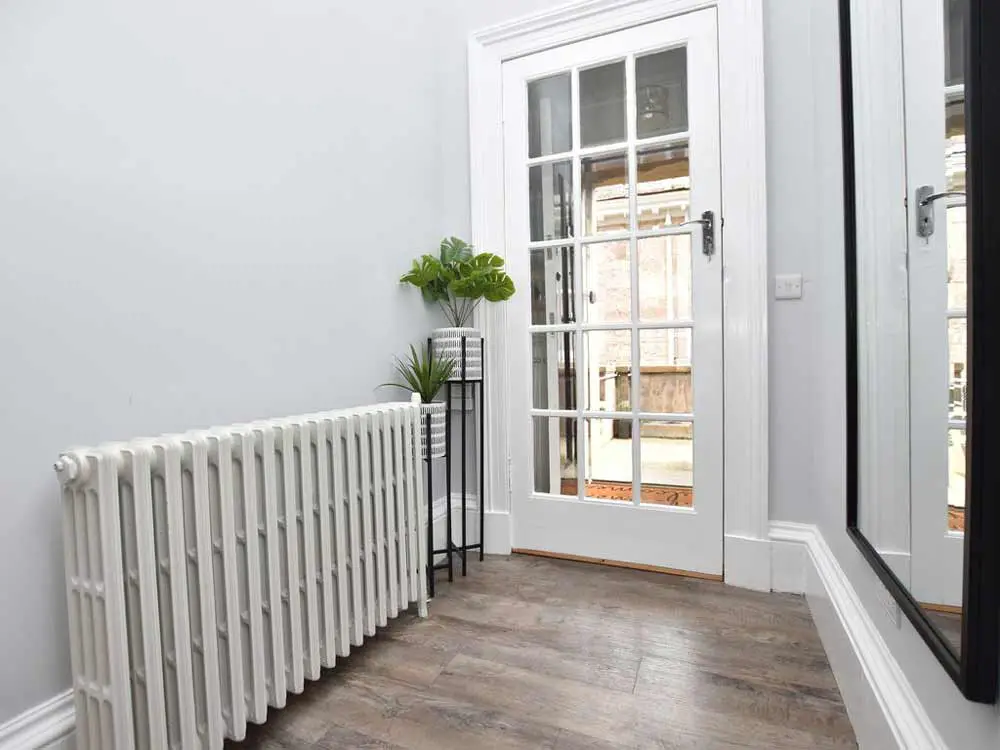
<point>928,199</point>
<point>925,198</point>
<point>707,222</point>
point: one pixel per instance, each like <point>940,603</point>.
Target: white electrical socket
<point>890,605</point>
<point>788,286</point>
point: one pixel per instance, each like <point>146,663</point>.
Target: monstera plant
<point>458,279</point>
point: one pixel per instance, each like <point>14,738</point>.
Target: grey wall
<point>204,208</point>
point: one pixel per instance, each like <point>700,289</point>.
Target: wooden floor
<point>950,625</point>
<point>537,653</point>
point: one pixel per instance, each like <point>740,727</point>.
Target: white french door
<point>933,53</point>
<point>612,179</point>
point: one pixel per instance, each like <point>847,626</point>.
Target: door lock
<point>707,222</point>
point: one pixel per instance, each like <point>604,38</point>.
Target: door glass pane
<point>602,104</point>
<point>956,480</point>
<point>552,298</point>
<point>665,279</point>
<point>666,458</point>
<point>607,282</point>
<point>550,195</point>
<point>954,161</point>
<point>550,123</point>
<point>957,258</point>
<point>609,459</point>
<point>955,21</point>
<point>605,194</point>
<point>661,93</point>
<point>664,192</point>
<point>958,370</point>
<point>954,155</point>
<point>665,371</point>
<point>607,357</point>
<point>955,28</point>
<point>555,455</point>
<point>553,367</point>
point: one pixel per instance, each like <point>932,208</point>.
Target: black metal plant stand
<point>473,387</point>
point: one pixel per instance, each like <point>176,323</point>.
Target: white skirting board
<point>882,705</point>
<point>496,524</point>
<point>48,725</point>
<point>747,562</point>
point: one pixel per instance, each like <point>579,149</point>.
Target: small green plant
<point>423,375</point>
<point>459,280</point>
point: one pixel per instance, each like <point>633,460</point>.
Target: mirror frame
<point>975,670</point>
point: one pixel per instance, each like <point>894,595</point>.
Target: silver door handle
<point>928,199</point>
<point>707,222</point>
<point>925,198</point>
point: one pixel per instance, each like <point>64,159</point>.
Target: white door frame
<point>936,554</point>
<point>747,550</point>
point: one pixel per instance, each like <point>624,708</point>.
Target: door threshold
<point>617,564</point>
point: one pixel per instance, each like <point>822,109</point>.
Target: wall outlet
<point>788,286</point>
<point>889,604</point>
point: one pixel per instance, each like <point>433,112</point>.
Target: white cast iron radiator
<point>210,573</point>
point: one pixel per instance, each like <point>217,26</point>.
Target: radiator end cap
<point>70,468</point>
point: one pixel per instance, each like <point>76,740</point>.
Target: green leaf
<point>487,261</point>
<point>453,250</point>
<point>499,287</point>
<point>422,374</point>
<point>458,274</point>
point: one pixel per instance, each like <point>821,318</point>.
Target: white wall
<point>204,208</point>
<point>806,87</point>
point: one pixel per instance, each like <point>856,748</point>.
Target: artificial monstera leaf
<point>498,287</point>
<point>426,276</point>
<point>423,271</point>
<point>458,280</point>
<point>487,261</point>
<point>455,250</point>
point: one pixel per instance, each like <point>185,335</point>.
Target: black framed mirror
<point>921,140</point>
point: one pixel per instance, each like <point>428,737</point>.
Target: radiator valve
<point>68,468</point>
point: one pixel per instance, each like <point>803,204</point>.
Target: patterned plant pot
<point>447,342</point>
<point>438,443</point>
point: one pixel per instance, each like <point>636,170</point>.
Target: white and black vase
<point>447,342</point>
<point>438,444</point>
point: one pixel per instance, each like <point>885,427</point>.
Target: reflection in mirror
<point>938,503</point>
<point>553,370</point>
<point>605,194</point>
<point>607,282</point>
<point>602,104</point>
<point>664,187</point>
<point>911,275</point>
<point>607,357</point>
<point>550,125</point>
<point>661,93</point>
<point>552,298</point>
<point>550,201</point>
<point>555,455</point>
<point>920,120</point>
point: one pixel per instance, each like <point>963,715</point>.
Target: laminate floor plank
<point>546,654</point>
